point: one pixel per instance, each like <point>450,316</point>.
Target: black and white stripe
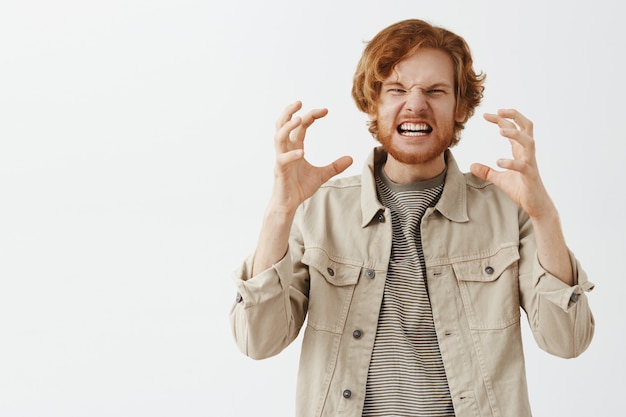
<point>406,374</point>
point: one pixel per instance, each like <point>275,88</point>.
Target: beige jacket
<point>481,267</point>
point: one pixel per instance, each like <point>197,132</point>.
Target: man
<point>412,276</point>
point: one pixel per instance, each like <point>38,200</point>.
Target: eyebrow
<point>438,84</point>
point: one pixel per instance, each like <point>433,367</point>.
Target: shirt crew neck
<point>413,186</point>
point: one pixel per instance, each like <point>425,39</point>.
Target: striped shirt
<point>406,375</point>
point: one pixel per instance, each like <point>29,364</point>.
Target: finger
<point>525,124</point>
<point>492,118</point>
<point>285,158</point>
<point>514,135</point>
<point>337,167</point>
<point>499,120</point>
<point>284,125</point>
<point>281,137</point>
<point>307,120</point>
<point>488,174</point>
<point>287,114</point>
<point>510,130</point>
<point>514,165</point>
<point>312,116</point>
<point>481,171</point>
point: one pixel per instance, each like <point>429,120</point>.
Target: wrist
<point>548,215</point>
<point>279,215</point>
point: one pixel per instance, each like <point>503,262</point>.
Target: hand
<point>521,180</point>
<point>295,179</point>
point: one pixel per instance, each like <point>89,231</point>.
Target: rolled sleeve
<point>556,291</point>
<point>564,325</point>
<point>263,286</point>
<point>268,313</point>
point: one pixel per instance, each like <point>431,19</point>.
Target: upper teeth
<point>414,126</point>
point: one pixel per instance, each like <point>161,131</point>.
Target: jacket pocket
<point>332,284</point>
<point>489,289</point>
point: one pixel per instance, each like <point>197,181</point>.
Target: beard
<point>442,140</point>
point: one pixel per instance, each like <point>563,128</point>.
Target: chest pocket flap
<point>487,268</point>
<point>335,272</point>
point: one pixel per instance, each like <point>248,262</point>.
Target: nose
<point>416,101</point>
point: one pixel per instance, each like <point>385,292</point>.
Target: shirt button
<point>330,271</point>
<point>239,298</point>
<point>347,393</point>
<point>370,273</point>
<point>489,270</point>
<point>357,334</point>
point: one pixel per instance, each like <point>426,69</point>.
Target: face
<point>417,110</point>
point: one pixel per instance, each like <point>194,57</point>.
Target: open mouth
<point>414,129</point>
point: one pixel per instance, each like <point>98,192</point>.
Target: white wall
<point>136,158</point>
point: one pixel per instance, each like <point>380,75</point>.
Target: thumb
<point>337,167</point>
<point>342,164</point>
<point>481,171</point>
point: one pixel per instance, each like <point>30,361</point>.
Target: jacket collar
<point>452,203</point>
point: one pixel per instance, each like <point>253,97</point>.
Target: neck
<point>403,173</point>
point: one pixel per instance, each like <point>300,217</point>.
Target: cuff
<point>264,285</point>
<point>558,292</point>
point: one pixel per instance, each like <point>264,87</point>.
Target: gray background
<point>136,159</point>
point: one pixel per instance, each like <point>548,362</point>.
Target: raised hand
<point>522,183</point>
<point>521,180</point>
<point>295,179</point>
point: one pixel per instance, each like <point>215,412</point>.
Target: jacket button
<point>381,217</point>
<point>347,393</point>
<point>489,270</point>
<point>370,273</point>
<point>239,298</point>
<point>574,298</point>
<point>330,271</point>
<point>357,334</point>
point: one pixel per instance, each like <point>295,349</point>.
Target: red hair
<point>400,41</point>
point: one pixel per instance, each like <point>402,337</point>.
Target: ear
<point>460,114</point>
<point>372,113</point>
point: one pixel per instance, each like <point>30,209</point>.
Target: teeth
<point>414,127</point>
<point>410,133</point>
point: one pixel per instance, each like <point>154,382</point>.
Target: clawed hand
<point>295,178</point>
<point>521,180</point>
